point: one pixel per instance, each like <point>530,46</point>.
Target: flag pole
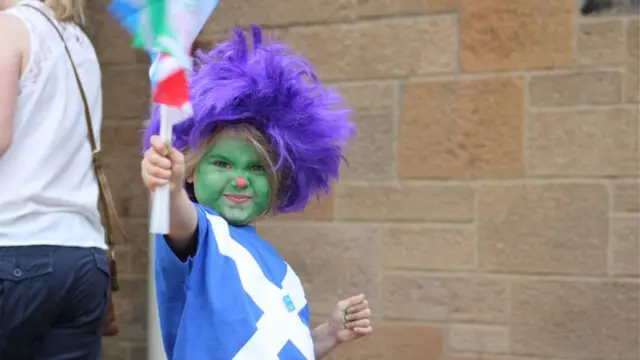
<point>159,222</point>
<point>155,347</point>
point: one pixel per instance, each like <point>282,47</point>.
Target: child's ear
<point>191,178</point>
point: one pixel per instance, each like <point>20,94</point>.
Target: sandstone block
<point>131,308</point>
<point>626,196</point>
<point>138,351</point>
<point>112,42</point>
<point>318,209</point>
<point>632,79</point>
<point>122,140</point>
<point>126,92</point>
<point>479,338</point>
<point>601,43</point>
<point>632,88</point>
<point>231,14</point>
<point>138,248</point>
<point>129,193</point>
<point>462,129</point>
<point>435,298</point>
<point>584,143</point>
<point>371,154</point>
<point>403,47</point>
<point>585,88</point>
<point>114,349</point>
<point>372,96</point>
<point>516,34</point>
<point>407,202</point>
<point>429,248</point>
<point>550,228</point>
<point>592,319</point>
<point>395,341</point>
<point>405,7</point>
<point>625,246</point>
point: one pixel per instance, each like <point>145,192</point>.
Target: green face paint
<point>231,179</point>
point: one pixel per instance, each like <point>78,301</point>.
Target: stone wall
<point>495,174</point>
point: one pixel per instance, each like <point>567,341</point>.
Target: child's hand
<point>351,319</point>
<point>162,165</point>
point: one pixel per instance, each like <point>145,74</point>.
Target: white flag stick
<point>160,207</point>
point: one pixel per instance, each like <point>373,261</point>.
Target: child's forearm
<point>324,340</point>
<point>184,219</point>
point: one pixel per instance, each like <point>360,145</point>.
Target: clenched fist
<point>162,165</point>
<point>351,319</point>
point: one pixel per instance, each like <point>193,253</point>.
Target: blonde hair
<point>68,10</point>
<point>258,141</point>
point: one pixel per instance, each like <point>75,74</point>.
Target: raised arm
<point>162,166</point>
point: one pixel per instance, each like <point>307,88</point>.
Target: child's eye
<point>222,164</point>
<point>257,168</point>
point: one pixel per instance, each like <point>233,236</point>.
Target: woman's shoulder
<point>13,29</point>
<point>14,34</point>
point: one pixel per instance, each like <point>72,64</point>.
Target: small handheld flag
<point>166,29</point>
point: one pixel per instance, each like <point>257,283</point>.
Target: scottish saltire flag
<point>236,299</point>
<point>166,29</point>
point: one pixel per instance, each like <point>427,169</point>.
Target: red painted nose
<point>241,182</point>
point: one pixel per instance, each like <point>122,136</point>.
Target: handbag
<point>110,219</point>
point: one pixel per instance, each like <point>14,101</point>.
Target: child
<point>265,137</point>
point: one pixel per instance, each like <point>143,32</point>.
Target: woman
<point>54,272</point>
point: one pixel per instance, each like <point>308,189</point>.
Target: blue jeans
<point>53,300</point>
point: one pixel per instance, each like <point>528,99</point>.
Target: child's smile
<point>237,199</point>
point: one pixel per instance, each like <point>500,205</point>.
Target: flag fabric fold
<point>166,29</point>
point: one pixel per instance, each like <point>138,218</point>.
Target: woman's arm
<point>13,35</point>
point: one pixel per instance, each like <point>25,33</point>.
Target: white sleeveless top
<point>48,190</point>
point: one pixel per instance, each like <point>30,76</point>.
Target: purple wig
<point>278,93</point>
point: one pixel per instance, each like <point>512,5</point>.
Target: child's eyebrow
<point>219,156</point>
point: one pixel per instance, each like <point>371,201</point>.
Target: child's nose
<point>241,182</point>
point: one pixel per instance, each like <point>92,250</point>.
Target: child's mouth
<point>237,199</point>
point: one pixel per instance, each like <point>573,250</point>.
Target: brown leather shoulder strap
<point>110,215</point>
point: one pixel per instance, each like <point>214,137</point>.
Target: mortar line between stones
<point>381,223</point>
<point>576,16</point>
<point>610,213</point>
<point>592,108</point>
<point>475,224</point>
<point>482,356</point>
<point>590,278</point>
<point>396,119</point>
<point>436,323</point>
<point>459,43</point>
<point>356,21</point>
<point>452,75</point>
<point>525,126</point>
<point>446,344</point>
<point>509,311</point>
<point>623,71</point>
<point>504,73</point>
<point>538,180</point>
<point>603,18</point>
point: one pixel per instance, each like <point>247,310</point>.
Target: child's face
<point>231,179</point>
